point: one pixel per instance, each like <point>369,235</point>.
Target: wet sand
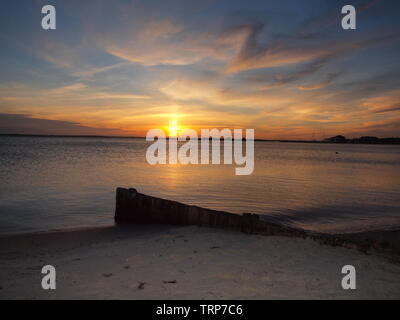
<point>384,243</point>
<point>167,262</point>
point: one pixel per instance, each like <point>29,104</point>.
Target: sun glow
<point>173,128</point>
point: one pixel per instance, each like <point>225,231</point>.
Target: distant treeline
<point>363,140</point>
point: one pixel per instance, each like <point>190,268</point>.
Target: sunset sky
<point>285,68</point>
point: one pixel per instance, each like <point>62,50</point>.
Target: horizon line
<point>198,138</point>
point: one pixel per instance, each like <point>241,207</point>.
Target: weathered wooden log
<point>133,207</point>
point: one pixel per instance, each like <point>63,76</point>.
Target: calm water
<point>52,183</point>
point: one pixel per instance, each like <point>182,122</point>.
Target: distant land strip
<point>336,139</point>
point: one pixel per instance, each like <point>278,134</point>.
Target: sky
<point>284,68</point>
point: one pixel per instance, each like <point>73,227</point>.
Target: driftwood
<point>133,207</point>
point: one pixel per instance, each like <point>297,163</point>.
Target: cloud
<point>381,128</point>
<point>278,78</point>
<point>156,42</point>
<point>74,91</point>
<point>388,125</point>
<point>301,48</point>
<point>383,103</point>
<point>254,55</point>
<point>216,95</point>
<point>91,71</point>
<point>166,42</point>
<point>391,108</point>
<point>68,89</point>
<point>320,85</point>
<point>24,124</point>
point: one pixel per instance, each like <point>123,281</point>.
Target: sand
<point>167,262</point>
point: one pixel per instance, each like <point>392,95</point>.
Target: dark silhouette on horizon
<point>362,140</point>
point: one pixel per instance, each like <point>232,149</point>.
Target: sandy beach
<point>167,262</point>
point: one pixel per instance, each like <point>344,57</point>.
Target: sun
<point>173,128</point>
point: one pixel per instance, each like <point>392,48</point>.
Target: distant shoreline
<point>379,141</point>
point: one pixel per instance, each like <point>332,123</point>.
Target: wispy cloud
<point>255,55</point>
<point>323,84</point>
<point>25,124</point>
